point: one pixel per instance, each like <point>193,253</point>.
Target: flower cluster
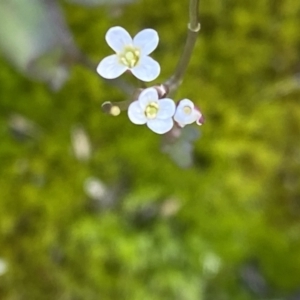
<point>160,114</point>
<point>151,108</point>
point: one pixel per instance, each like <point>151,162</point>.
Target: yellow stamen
<point>130,57</point>
<point>187,110</point>
<point>115,110</point>
<point>151,110</point>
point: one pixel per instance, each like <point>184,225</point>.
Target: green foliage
<point>168,233</point>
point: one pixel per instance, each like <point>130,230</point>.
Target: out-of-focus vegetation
<point>120,220</point>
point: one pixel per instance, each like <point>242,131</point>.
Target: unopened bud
<point>115,111</point>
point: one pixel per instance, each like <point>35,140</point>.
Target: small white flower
<point>187,113</point>
<point>131,54</point>
<point>149,109</point>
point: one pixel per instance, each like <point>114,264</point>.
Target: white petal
<point>147,69</point>
<point>117,38</point>
<point>166,108</point>
<point>186,102</point>
<point>136,113</point>
<point>183,118</point>
<point>147,96</point>
<point>110,68</point>
<point>146,40</point>
<point>160,126</point>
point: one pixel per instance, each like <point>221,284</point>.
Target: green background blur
<point>226,228</point>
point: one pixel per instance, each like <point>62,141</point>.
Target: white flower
<point>131,54</point>
<point>187,113</point>
<point>149,109</point>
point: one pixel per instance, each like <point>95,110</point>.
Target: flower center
<point>187,110</point>
<point>130,57</point>
<point>151,110</point>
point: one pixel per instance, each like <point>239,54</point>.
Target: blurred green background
<point>91,208</point>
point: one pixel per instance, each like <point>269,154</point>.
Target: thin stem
<point>193,13</point>
<point>115,108</point>
<point>193,27</point>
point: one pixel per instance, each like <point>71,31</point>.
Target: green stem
<point>193,27</point>
<point>115,108</point>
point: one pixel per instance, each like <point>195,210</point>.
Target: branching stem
<point>170,85</point>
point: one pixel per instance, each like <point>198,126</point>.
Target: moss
<point>239,201</point>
